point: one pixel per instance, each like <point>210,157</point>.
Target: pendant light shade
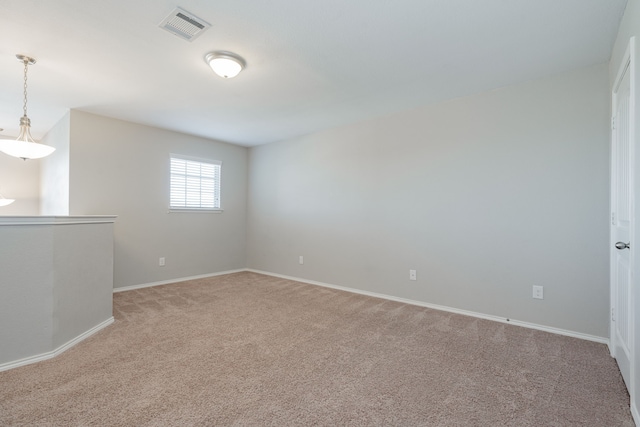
<point>225,64</point>
<point>25,147</point>
<point>5,202</point>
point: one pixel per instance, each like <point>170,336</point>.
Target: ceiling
<point>311,65</point>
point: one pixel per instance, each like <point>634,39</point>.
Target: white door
<point>622,208</point>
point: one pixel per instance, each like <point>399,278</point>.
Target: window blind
<point>195,184</point>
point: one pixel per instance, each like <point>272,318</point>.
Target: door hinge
<point>613,218</point>
<point>613,123</point>
<point>613,316</point>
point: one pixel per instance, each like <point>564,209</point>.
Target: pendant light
<point>225,64</point>
<point>5,202</point>
<point>24,146</point>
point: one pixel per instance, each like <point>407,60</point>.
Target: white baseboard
<point>180,279</point>
<point>529,325</point>
<point>51,354</point>
<point>550,329</point>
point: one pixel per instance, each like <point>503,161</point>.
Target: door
<point>622,208</point>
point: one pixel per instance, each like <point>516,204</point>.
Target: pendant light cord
<point>24,108</point>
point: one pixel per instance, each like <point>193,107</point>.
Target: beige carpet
<point>251,350</point>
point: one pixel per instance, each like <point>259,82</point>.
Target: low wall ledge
<point>56,220</point>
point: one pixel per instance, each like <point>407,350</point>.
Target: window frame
<point>199,209</point>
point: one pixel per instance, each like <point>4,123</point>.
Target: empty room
<point>354,213</point>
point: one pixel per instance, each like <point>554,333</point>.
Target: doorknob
<point>622,245</point>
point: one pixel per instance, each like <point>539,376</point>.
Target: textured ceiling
<point>311,65</point>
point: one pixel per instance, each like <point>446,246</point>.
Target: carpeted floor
<point>252,350</point>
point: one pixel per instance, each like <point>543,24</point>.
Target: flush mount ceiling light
<point>225,64</point>
<point>25,147</point>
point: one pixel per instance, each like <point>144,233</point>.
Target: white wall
<point>630,26</point>
<point>20,180</point>
<point>83,279</point>
<point>484,196</point>
<point>54,170</point>
<point>122,168</point>
<point>26,306</point>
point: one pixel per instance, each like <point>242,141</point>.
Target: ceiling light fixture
<point>5,202</point>
<point>225,64</point>
<point>24,146</point>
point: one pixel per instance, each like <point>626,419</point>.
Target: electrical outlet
<point>538,292</point>
<point>301,260</point>
<point>412,275</point>
<point>161,262</point>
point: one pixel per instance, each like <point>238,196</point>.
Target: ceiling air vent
<point>184,25</point>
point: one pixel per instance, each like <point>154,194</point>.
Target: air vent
<point>184,24</point>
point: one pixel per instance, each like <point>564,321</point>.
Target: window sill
<point>194,210</point>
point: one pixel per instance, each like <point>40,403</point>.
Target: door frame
<point>627,64</point>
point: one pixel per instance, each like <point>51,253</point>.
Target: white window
<point>195,184</point>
